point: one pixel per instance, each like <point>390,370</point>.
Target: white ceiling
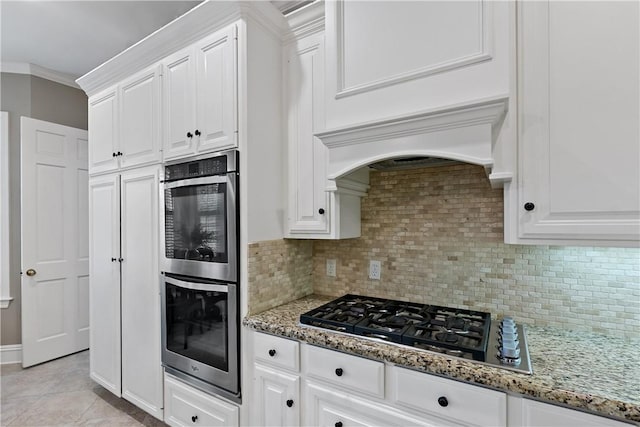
<point>73,37</point>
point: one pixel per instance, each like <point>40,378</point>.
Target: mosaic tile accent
<point>439,235</point>
<point>280,271</point>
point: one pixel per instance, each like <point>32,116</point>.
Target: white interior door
<point>55,242</point>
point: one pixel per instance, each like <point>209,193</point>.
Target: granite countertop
<point>585,371</point>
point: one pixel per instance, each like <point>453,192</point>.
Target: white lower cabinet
<point>277,397</point>
<point>300,384</point>
<point>529,413</point>
<point>187,406</point>
<point>124,283</point>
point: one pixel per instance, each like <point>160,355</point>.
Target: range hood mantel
<point>459,132</point>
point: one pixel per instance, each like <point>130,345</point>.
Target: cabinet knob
<point>272,352</point>
<point>339,372</point>
<point>197,132</point>
<point>442,401</point>
<point>529,206</point>
<point>113,154</point>
<point>338,424</point>
<point>120,259</point>
<point>194,418</point>
<point>114,259</point>
<point>290,403</point>
<point>189,135</point>
<point>321,211</point>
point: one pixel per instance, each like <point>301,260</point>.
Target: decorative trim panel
<point>484,53</point>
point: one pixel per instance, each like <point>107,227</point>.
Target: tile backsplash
<point>280,271</point>
<point>438,234</point>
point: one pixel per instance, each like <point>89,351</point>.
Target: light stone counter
<point>584,371</point>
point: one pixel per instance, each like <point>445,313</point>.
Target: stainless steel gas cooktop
<point>454,332</point>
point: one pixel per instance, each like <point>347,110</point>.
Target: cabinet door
<point>104,281</point>
<point>179,103</point>
<point>141,364</point>
<point>308,199</point>
<point>579,162</point>
<point>140,119</point>
<point>325,406</point>
<point>216,91</point>
<point>277,397</point>
<point>103,132</point>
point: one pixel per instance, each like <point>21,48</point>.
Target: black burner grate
<point>459,332</point>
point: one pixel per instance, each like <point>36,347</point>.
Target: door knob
<point>31,272</point>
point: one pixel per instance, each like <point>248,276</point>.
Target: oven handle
<point>197,286</point>
<point>215,179</point>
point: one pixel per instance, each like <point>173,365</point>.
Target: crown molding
<point>38,71</point>
<point>305,21</point>
<point>185,30</point>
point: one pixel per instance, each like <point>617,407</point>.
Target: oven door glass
<point>196,223</point>
<point>197,322</point>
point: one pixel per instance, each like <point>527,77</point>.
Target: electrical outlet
<point>374,270</point>
<point>331,267</point>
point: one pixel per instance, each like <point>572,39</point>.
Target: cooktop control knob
<point>509,345</point>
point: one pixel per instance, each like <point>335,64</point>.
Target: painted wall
<point>29,96</point>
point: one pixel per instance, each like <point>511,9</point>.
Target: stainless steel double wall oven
<point>200,311</point>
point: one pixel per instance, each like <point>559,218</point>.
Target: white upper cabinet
<point>392,58</point>
<point>140,119</point>
<point>579,123</point>
<point>309,200</point>
<point>103,131</point>
<point>313,211</point>
<point>199,96</point>
<point>124,124</point>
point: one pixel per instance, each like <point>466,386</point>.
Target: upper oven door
<point>200,231</point>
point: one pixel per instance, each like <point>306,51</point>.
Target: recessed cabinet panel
<point>277,397</point>
<point>216,89</point>
<point>103,132</point>
<point>140,119</point>
<point>580,121</point>
<point>141,365</point>
<point>309,201</point>
<point>104,273</point>
<point>404,38</point>
<point>389,59</point>
<point>179,99</point>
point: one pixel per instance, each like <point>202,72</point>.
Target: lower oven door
<point>200,330</point>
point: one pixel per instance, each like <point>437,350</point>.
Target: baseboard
<point>10,354</point>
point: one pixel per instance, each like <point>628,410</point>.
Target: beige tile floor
<point>60,393</point>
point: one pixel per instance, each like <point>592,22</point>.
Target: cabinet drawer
<point>356,373</point>
<point>325,406</point>
<point>186,406</point>
<point>276,351</point>
<point>448,398</point>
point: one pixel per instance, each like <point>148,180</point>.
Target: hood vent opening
<point>414,162</point>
